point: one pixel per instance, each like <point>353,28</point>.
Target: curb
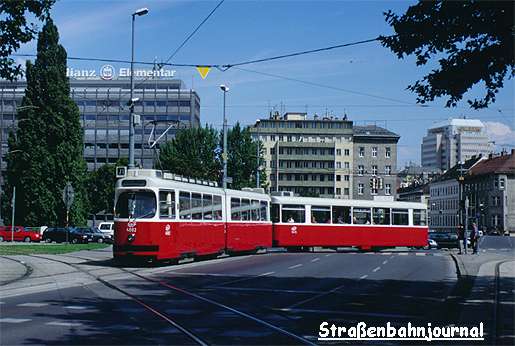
<point>27,273</point>
<point>460,267</point>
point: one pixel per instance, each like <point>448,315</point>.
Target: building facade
<point>310,157</point>
<point>375,162</point>
<point>490,189</point>
<point>453,141</point>
<point>105,115</point>
<point>445,193</point>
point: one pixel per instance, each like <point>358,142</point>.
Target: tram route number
<point>168,230</point>
<point>131,227</point>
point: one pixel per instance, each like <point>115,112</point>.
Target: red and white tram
<point>301,222</point>
<point>162,216</point>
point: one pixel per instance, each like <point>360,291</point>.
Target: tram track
<point>222,308</point>
<point>496,321</point>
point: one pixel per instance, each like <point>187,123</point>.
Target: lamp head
<point>224,88</point>
<point>140,12</point>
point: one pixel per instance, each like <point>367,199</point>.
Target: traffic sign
<point>203,71</point>
<point>68,195</point>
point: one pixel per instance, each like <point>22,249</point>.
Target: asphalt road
<point>273,298</point>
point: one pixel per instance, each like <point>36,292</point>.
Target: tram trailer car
<point>160,216</point>
<point>301,222</point>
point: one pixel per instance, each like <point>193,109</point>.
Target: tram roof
<point>346,202</point>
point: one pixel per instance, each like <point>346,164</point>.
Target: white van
<point>107,228</point>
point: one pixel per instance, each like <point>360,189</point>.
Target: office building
<point>310,157</point>
<point>453,141</point>
<point>104,114</point>
<point>375,162</point>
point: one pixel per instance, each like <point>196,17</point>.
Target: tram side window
<point>381,216</point>
<point>341,215</point>
<point>138,205</point>
<point>184,206</point>
<point>217,207</point>
<point>207,206</point>
<point>245,209</point>
<point>235,209</point>
<point>275,213</point>
<point>196,206</point>
<point>264,211</point>
<point>255,210</point>
<point>400,217</point>
<point>419,217</point>
<point>294,213</point>
<point>361,216</point>
<point>320,214</point>
<point>167,204</point>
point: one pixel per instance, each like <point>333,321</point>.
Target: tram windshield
<point>136,204</point>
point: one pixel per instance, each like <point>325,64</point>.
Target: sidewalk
<point>12,270</point>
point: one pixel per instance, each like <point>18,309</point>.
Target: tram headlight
<point>131,237</point>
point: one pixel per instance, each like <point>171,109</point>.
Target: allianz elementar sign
<point>109,72</point>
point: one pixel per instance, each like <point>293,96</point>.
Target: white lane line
<point>73,307</point>
<point>295,266</point>
<point>14,320</point>
<point>32,305</point>
<point>420,254</point>
<point>327,255</point>
<point>315,259</point>
<point>376,269</point>
<point>385,261</point>
<point>386,253</point>
<point>402,254</point>
<point>64,324</point>
<point>267,273</point>
<point>363,277</point>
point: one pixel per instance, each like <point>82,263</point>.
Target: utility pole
<point>14,209</point>
<point>225,152</point>
<point>257,153</point>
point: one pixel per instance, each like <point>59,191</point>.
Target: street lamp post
<point>225,89</point>
<point>257,153</point>
<point>140,12</point>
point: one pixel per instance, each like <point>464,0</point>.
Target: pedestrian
<point>461,238</point>
<point>474,234</point>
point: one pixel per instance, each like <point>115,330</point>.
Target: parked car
<point>60,234</point>
<point>107,228</point>
<point>445,239</point>
<point>39,229</point>
<point>20,234</point>
<point>431,244</point>
<point>94,235</point>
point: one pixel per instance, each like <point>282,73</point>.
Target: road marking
<point>402,254</point>
<point>363,277</point>
<point>64,324</point>
<point>33,305</point>
<point>73,307</point>
<point>339,312</point>
<point>385,261</point>
<point>14,320</point>
<point>315,259</point>
<point>274,290</point>
<point>420,254</point>
<point>376,269</point>
<point>328,255</point>
<point>386,253</point>
<point>295,266</point>
<point>267,273</point>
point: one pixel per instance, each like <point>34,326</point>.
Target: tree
<point>192,153</point>
<point>47,150</point>
<point>473,41</point>
<point>15,30</point>
<point>242,160</point>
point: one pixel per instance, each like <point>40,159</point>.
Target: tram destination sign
<point>109,72</point>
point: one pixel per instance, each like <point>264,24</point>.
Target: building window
<point>338,191</point>
<point>388,170</point>
<point>346,152</point>
<point>338,152</point>
<point>346,177</point>
<point>338,177</point>
<point>347,165</point>
<point>361,170</point>
<point>501,183</point>
<point>388,152</point>
<point>374,151</point>
<point>373,191</point>
<point>388,189</point>
<point>338,165</point>
<point>374,169</point>
<point>361,151</point>
<point>346,191</point>
<point>361,188</point>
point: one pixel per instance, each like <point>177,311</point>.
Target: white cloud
<point>500,133</point>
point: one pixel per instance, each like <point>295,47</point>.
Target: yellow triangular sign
<point>203,70</point>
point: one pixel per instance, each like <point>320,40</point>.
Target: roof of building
<point>503,163</point>
<point>459,122</point>
<point>453,172</point>
<point>373,130</point>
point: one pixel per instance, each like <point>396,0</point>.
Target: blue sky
<point>245,30</point>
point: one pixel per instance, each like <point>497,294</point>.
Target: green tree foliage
<point>192,153</point>
<point>15,30</point>
<point>472,40</point>
<point>47,150</point>
<point>242,160</point>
